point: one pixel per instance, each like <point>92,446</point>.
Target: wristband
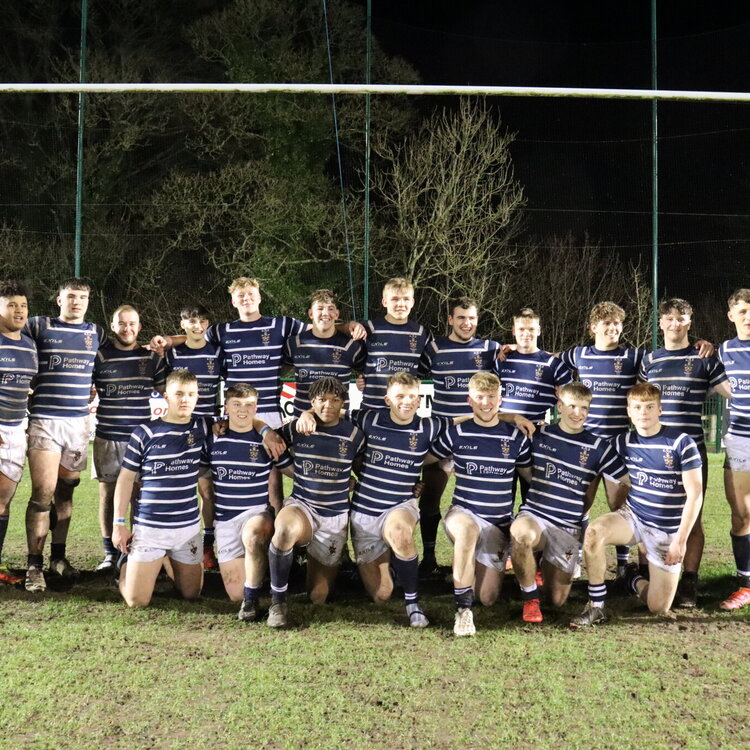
<point>264,429</point>
<point>119,522</point>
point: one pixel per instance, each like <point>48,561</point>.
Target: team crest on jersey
<point>336,356</point>
<point>254,452</point>
<point>190,439</point>
<point>618,365</point>
<point>505,447</point>
<point>210,366</point>
<point>687,368</point>
<point>413,440</point>
<point>142,367</point>
<point>539,372</point>
<point>584,457</point>
<point>343,448</point>
<point>265,337</point>
<point>478,360</point>
<point>413,342</point>
<point>88,340</point>
<point>669,458</point>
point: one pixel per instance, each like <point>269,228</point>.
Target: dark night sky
<point>586,164</point>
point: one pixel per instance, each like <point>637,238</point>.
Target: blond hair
<point>484,381</point>
<point>242,281</point>
<point>644,392</point>
<point>398,284</point>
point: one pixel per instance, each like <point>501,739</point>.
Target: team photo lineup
<point>200,488</point>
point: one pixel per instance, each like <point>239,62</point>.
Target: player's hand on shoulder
<point>273,443</point>
<point>417,489</point>
<point>357,331</point>
<point>526,426</point>
<point>705,348</point>
<point>504,351</point>
<point>92,393</point>
<point>220,427</point>
<point>159,344</point>
<point>360,383</point>
<point>306,423</point>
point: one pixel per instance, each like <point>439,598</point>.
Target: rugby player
<point>239,465</point>
<point>18,366</point>
<point>125,376</point>
<point>451,361</point>
<point>58,435</point>
<point>394,343</point>
<point>685,379</point>
<point>735,356</point>
<point>566,459</point>
<point>205,359</point>
<point>316,514</point>
<point>662,505</point>
<point>486,453</point>
<point>321,351</point>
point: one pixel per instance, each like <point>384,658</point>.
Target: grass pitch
<point>80,670</point>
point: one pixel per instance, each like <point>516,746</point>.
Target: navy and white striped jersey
<point>609,375</point>
<point>735,356</point>
<point>529,382</point>
<point>18,367</point>
<point>391,348</point>
<point>206,364</point>
<point>684,379</point>
<point>451,364</point>
<point>393,458</point>
<point>656,463</point>
<point>564,466</point>
<point>166,457</point>
<point>66,363</point>
<point>314,358</point>
<point>253,353</point>
<point>125,380</point>
<point>323,464</point>
<point>240,468</point>
<point>485,460</point>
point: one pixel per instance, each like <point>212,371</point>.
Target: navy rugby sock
<point>208,537</point>
<point>741,551</point>
<point>464,597</point>
<point>279,565</point>
<point>407,573</point>
<point>35,561</point>
<point>3,531</point>
<point>250,593</point>
<point>623,554</point>
<point>597,594</point>
<point>109,548</point>
<point>428,526</point>
<point>57,550</point>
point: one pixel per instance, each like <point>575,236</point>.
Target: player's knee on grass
<point>559,595</point>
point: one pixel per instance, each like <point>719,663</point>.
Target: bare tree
<point>447,206</point>
<point>562,279</point>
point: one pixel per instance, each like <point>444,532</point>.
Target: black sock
<point>741,551</point>
<point>208,537</point>
<point>250,593</point>
<point>623,553</point>
<point>463,597</point>
<point>57,550</point>
<point>279,565</point>
<point>407,572</point>
<point>428,525</point>
<point>109,548</point>
<point>35,561</point>
<point>3,532</point>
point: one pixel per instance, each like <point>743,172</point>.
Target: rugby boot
<point>464,622</point>
<point>591,615</point>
